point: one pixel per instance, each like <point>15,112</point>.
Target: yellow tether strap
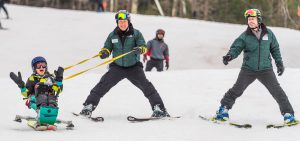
<point>81,62</point>
<point>107,61</point>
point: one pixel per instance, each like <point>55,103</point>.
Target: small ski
<point>135,119</point>
<point>95,119</point>
<point>282,125</point>
<point>3,28</point>
<point>6,18</point>
<point>32,122</point>
<point>238,125</point>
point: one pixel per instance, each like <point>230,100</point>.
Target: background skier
<point>2,2</point>
<point>158,52</point>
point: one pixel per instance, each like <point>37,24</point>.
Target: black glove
<point>280,69</point>
<point>17,79</point>
<point>226,59</point>
<point>167,65</point>
<point>103,54</point>
<point>59,74</point>
<point>138,50</point>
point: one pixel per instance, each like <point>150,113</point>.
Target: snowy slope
<point>65,37</point>
<point>193,44</point>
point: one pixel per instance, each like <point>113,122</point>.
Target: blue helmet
<point>37,59</point>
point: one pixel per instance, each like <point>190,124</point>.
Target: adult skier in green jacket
<point>258,44</point>
<point>124,39</point>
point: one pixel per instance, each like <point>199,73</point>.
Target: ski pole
<point>107,61</point>
<point>81,62</point>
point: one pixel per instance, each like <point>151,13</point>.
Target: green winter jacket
<point>119,42</point>
<point>257,52</point>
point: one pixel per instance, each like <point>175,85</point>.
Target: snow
<point>194,85</point>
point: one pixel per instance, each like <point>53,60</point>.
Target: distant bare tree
<point>134,6</point>
<point>298,8</point>
<point>175,8</point>
<point>24,2</point>
<point>286,14</point>
<point>51,3</point>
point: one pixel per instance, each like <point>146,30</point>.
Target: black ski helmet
<point>160,31</point>
<point>36,60</point>
<point>122,15</point>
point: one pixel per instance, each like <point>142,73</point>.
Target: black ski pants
<point>46,100</point>
<point>134,74</point>
<point>268,79</point>
<point>158,64</point>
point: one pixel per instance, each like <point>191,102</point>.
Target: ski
<point>34,125</point>
<point>3,28</point>
<point>6,18</point>
<point>95,119</point>
<point>135,119</point>
<point>282,125</point>
<point>238,125</point>
<point>32,122</point>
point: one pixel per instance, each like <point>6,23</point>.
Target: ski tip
<point>18,119</point>
<point>70,126</point>
<point>97,119</point>
<point>269,126</point>
<point>176,117</point>
<point>75,114</point>
<point>135,119</point>
<point>131,118</point>
<point>205,118</point>
<point>282,125</point>
<point>248,126</point>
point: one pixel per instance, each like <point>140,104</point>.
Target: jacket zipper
<point>259,42</point>
<point>258,54</point>
<point>123,43</point>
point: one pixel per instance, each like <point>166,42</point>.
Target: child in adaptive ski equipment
<point>41,91</point>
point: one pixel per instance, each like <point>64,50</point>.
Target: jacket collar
<point>47,74</point>
<point>162,40</point>
<point>121,33</point>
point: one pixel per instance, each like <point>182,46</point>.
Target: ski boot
<point>159,113</point>
<point>87,110</point>
<point>289,118</point>
<point>222,114</point>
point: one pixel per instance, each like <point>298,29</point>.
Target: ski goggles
<point>160,32</point>
<point>41,65</point>
<point>121,16</point>
<point>250,13</point>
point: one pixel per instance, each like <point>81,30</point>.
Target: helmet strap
<point>254,28</point>
<point>258,28</point>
